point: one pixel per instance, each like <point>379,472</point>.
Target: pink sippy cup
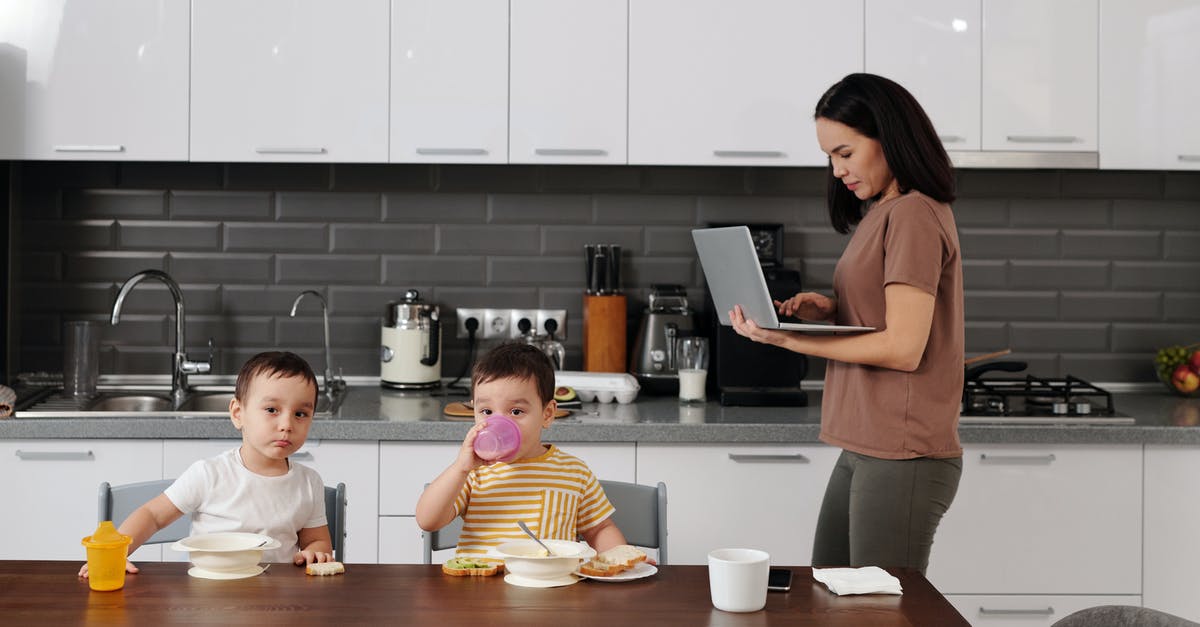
<point>500,439</point>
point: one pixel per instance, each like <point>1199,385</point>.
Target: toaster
<point>666,318</point>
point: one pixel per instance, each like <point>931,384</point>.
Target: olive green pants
<point>883,512</point>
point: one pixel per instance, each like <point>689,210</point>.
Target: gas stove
<point>1037,400</point>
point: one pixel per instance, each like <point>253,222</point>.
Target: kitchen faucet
<point>333,387</point>
<point>180,367</point>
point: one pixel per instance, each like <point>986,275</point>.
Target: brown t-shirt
<point>888,413</point>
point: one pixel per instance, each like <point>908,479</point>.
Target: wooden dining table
<point>45,592</point>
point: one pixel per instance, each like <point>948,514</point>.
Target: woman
<point>891,396</point>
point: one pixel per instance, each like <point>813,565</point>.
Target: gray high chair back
<point>116,503</point>
<point>641,515</point>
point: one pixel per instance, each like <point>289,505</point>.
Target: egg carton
<point>603,387</point>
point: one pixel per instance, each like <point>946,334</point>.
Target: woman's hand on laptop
<point>808,306</point>
<point>747,328</point>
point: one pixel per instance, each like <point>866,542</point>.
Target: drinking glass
<point>691,361</point>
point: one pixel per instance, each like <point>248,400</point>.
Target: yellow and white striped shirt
<point>555,493</point>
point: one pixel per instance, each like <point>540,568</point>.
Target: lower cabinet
<point>1034,610</point>
<point>54,484</point>
<point>762,496</point>
<point>1172,520</point>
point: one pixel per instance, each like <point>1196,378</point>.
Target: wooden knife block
<point>604,333</point>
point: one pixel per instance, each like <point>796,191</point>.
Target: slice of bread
<point>595,568</point>
<point>467,567</point>
<point>615,560</point>
<point>325,568</point>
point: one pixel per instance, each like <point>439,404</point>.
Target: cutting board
<point>463,410</point>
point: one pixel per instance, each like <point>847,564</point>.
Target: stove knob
<point>1083,408</point>
<point>1059,408</point>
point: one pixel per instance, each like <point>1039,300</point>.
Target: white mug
<point>737,579</point>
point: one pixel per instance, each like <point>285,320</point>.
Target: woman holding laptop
<point>891,398</point>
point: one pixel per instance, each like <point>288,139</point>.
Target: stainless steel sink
<point>130,403</point>
<point>206,402</point>
<point>153,402</point>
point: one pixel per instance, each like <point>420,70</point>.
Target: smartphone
<point>779,579</point>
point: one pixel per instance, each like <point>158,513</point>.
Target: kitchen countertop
<point>372,413</point>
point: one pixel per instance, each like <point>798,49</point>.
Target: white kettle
<point>410,351</point>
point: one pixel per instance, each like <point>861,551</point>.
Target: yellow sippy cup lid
<point>106,536</point>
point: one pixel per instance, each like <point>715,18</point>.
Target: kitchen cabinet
<point>1040,67</point>
<point>52,488</point>
<point>1149,54</point>
<point>763,496</point>
<point>1172,519</point>
<point>94,80</point>
<point>1044,519</point>
<point>289,80</point>
<point>354,463</point>
<point>713,82</point>
<point>932,48</point>
<point>567,84</point>
<point>449,81</point>
<point>1028,610</point>
<point>406,467</point>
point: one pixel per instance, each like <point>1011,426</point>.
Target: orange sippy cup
<point>106,552</point>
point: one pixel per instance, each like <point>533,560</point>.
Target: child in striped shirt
<point>555,493</point>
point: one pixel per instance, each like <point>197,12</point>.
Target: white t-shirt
<point>221,494</point>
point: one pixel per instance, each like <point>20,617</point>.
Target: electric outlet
<point>559,316</point>
<point>495,323</point>
<point>517,315</point>
<point>463,316</point>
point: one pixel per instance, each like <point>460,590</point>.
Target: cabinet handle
<point>55,455</point>
<point>570,152</point>
<point>751,458</point>
<point>290,150</point>
<point>451,151</point>
<point>1042,611</point>
<point>1189,158</point>
<point>761,154</point>
<point>302,456</point>
<point>82,148</point>
<point>1016,459</point>
<point>952,139</point>
<point>1042,139</point>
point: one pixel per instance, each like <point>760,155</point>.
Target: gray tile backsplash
<point>1080,272</point>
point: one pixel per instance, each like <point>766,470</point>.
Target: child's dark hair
<point>884,111</point>
<point>517,360</point>
<point>274,363</point>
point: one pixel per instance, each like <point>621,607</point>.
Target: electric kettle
<point>410,351</point>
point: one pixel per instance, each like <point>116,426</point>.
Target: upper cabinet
<point>713,82</point>
<point>567,83</point>
<point>1040,75</point>
<point>1149,94</point>
<point>449,81</point>
<point>290,80</point>
<point>932,48</point>
<point>94,80</point>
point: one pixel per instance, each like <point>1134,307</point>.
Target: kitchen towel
<point>865,580</point>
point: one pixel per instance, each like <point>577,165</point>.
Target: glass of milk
<point>691,361</point>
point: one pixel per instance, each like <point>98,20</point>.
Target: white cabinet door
<point>1149,57</point>
<point>1040,75</point>
<point>94,80</point>
<point>762,496</point>
<point>567,81</point>
<point>289,80</point>
<point>1172,520</point>
<point>354,463</point>
<point>449,81</point>
<point>932,48</point>
<point>1050,519</point>
<point>1040,610</point>
<point>54,486</point>
<point>713,82</point>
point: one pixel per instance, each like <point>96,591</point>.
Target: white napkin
<point>865,580</point>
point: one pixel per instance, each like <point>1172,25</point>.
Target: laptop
<point>735,278</point>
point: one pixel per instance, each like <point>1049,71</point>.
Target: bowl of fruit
<point>1179,368</point>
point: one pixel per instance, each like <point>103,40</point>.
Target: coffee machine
<point>666,319</point>
<point>743,372</point>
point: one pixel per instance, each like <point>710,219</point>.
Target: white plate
<point>526,582</point>
<point>217,574</point>
<point>641,569</point>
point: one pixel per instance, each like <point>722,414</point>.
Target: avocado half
<point>564,393</point>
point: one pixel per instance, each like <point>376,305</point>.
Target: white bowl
<point>523,558</point>
<point>226,551</point>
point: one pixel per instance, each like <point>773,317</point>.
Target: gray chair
<point>116,503</point>
<point>641,515</point>
<point>1122,616</point>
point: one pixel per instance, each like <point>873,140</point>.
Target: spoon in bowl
<point>521,524</point>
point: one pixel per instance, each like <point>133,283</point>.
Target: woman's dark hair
<point>884,111</point>
<point>274,364</point>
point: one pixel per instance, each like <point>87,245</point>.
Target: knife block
<point>604,335</point>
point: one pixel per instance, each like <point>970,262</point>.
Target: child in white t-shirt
<point>253,488</point>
